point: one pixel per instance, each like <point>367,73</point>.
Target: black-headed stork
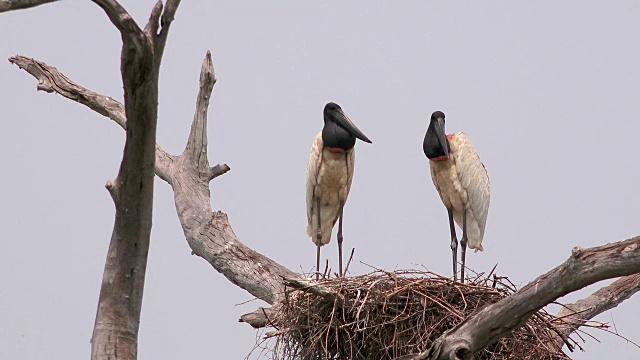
<point>462,183</point>
<point>329,176</point>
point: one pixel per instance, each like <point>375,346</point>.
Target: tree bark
<point>115,332</point>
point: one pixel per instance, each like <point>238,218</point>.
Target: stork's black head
<point>339,132</point>
<point>435,144</point>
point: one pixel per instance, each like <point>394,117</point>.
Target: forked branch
<point>115,334</point>
<point>208,233</point>
<point>584,267</point>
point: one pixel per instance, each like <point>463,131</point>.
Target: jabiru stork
<point>462,183</point>
<point>329,176</point>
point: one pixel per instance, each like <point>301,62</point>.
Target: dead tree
<point>210,236</point>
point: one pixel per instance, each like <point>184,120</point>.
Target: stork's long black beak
<point>343,120</point>
<point>442,136</point>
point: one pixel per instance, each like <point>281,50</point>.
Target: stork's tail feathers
<point>475,245</point>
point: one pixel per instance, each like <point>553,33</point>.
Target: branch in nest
<point>329,295</point>
<point>262,317</point>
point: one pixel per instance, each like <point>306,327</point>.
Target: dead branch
<point>8,5</point>
<point>208,233</point>
<point>132,35</point>
<point>584,267</point>
<point>329,295</point>
<point>262,317</point>
<point>606,298</point>
<point>51,80</point>
<point>218,170</point>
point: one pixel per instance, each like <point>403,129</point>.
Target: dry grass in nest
<point>384,315</point>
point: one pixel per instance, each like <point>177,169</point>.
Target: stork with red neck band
<point>329,177</point>
<point>462,183</point>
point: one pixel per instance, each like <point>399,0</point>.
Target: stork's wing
<point>473,177</point>
<point>313,166</point>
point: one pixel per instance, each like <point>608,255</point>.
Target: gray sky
<point>548,93</point>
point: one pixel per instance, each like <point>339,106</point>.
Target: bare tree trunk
<point>115,333</point>
<point>117,322</point>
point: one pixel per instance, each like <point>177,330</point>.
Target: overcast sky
<point>549,94</point>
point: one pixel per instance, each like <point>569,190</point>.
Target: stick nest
<point>385,315</point>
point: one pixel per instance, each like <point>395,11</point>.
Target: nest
<point>385,315</point>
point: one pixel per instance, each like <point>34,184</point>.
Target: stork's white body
<point>329,176</point>
<point>463,183</point>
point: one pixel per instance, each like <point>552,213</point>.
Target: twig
<point>349,261</point>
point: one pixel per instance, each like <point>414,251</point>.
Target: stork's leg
<point>318,240</point>
<point>454,244</point>
<point>463,242</point>
<point>340,240</point>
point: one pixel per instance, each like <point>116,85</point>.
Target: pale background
<point>548,93</point>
